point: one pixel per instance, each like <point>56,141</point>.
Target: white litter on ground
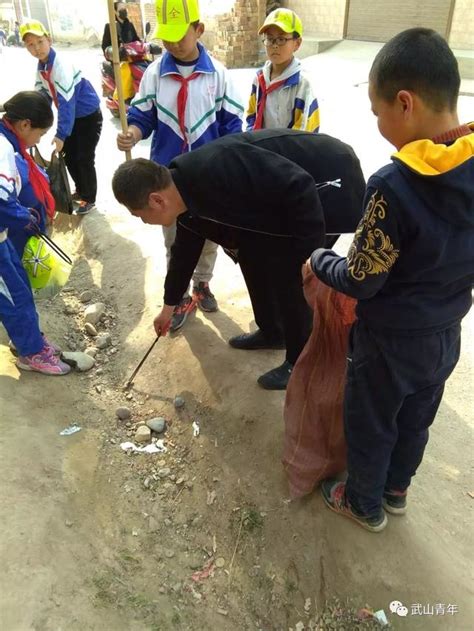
<point>72,429</point>
<point>154,448</point>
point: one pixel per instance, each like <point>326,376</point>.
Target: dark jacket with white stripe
<point>283,183</point>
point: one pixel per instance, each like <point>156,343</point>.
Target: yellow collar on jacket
<point>429,158</point>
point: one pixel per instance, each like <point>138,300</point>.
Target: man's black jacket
<point>262,182</point>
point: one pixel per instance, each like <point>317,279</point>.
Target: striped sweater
<point>293,105</point>
<point>213,107</point>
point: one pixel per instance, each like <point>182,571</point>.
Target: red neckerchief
<point>182,101</point>
<point>39,182</point>
<point>46,74</point>
<point>264,92</point>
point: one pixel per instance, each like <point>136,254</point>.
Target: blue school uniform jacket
<point>213,107</point>
<point>411,264</point>
<point>16,193</point>
<point>64,84</point>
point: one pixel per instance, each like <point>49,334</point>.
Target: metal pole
<point>117,75</point>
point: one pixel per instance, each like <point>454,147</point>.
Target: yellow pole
<point>117,75</point>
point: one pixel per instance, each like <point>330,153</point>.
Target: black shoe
<point>255,342</point>
<point>276,379</point>
<point>204,297</point>
<point>181,312</point>
<point>334,495</point>
<point>395,502</point>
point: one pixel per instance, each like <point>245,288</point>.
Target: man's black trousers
<point>272,271</point>
<point>79,154</point>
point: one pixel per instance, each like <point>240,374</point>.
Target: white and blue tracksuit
<point>71,93</point>
<point>213,106</point>
<point>79,119</point>
<point>288,101</point>
<point>212,109</point>
<point>17,309</point>
<point>26,198</point>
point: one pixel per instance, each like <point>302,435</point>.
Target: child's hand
<point>59,144</point>
<point>163,320</point>
<point>35,219</point>
<point>125,142</point>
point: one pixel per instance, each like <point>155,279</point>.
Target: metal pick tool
<point>135,372</point>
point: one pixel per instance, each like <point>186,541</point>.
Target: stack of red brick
<point>238,44</point>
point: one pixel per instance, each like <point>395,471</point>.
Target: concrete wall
<point>462,29</point>
<point>83,22</point>
<point>320,17</point>
<point>79,21</point>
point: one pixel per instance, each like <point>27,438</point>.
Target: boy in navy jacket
<point>79,116</point>
<point>411,267</point>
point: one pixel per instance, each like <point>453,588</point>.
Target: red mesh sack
<point>314,444</point>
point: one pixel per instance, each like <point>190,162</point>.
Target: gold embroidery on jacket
<point>372,251</point>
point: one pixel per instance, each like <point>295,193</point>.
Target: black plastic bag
<point>58,180</point>
<point>59,183</point>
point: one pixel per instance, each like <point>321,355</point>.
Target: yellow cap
<point>173,18</point>
<point>34,27</point>
<point>286,19</point>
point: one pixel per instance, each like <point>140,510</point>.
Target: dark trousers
<point>394,387</point>
<point>272,271</point>
<point>79,154</point>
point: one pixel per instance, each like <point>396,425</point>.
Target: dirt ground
<point>94,539</point>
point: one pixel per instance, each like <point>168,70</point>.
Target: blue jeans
<point>394,386</point>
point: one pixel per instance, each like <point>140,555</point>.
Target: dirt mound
<point>202,536</point>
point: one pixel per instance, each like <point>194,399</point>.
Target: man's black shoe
<point>255,342</point>
<point>276,379</point>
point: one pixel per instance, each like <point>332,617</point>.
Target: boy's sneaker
<point>204,297</point>
<point>84,208</point>
<point>181,312</point>
<point>44,362</point>
<point>395,502</point>
<point>53,348</point>
<point>334,495</point>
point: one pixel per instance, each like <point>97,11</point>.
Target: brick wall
<point>237,42</point>
<point>230,36</point>
<point>320,17</point>
<point>462,30</point>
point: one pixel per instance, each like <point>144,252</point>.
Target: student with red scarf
<point>25,199</point>
<point>34,192</point>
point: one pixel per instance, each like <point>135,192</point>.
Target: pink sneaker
<point>53,348</point>
<point>44,362</point>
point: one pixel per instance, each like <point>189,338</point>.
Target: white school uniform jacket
<point>61,82</point>
<point>293,105</point>
<point>213,106</point>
